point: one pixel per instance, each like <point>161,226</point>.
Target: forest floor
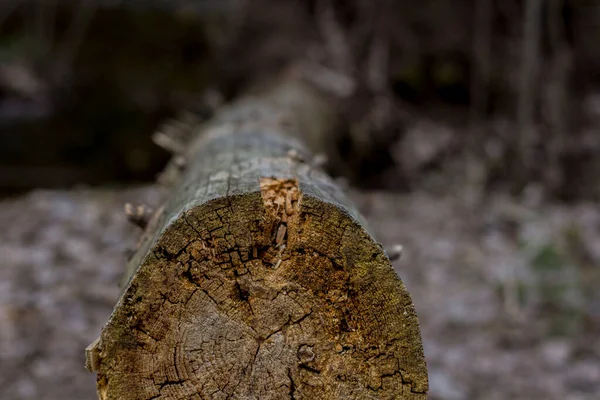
<point>506,292</point>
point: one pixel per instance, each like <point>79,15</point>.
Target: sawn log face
<point>258,281</point>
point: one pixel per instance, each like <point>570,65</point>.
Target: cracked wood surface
<point>258,280</point>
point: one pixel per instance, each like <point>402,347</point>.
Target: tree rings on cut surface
<point>227,306</point>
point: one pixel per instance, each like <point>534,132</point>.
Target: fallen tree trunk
<point>257,279</point>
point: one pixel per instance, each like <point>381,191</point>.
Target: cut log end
<point>257,278</point>
<point>224,304</point>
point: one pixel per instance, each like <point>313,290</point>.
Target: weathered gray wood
<point>257,279</point>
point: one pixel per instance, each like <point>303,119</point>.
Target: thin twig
<point>76,32</point>
<point>335,36</point>
<point>482,43</point>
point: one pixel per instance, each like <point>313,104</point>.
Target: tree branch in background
<point>528,80</point>
<point>481,52</point>
<point>556,93</point>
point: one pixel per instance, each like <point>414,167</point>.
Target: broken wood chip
<point>319,161</point>
<point>280,234</point>
<point>180,162</point>
<point>92,356</point>
<point>289,209</point>
<point>168,142</point>
<point>395,253</point>
<point>295,155</point>
<point>138,215</point>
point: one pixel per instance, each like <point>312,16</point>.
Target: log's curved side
<point>260,282</point>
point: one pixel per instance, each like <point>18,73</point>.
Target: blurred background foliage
<point>510,88</point>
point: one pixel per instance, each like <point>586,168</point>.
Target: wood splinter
<point>180,162</point>
<point>395,253</point>
<point>138,215</point>
<point>294,155</point>
<point>319,160</point>
<point>168,142</point>
<point>92,356</point>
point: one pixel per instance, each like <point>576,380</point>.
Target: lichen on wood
<point>258,281</point>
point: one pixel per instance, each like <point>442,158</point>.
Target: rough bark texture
<point>258,280</point>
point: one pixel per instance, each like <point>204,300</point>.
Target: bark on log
<point>257,279</point>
